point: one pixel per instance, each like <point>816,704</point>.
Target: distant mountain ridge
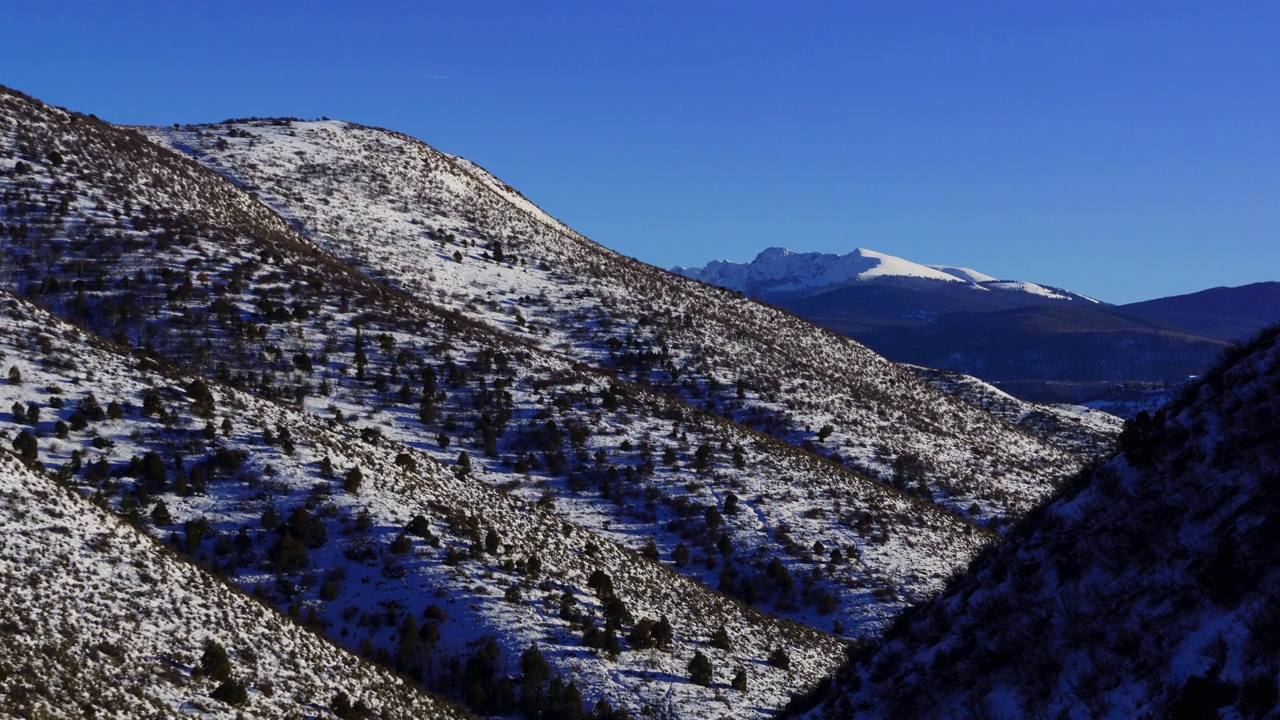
<point>779,272</point>
<point>1222,313</point>
<point>1042,343</point>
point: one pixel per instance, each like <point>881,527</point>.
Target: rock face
<point>1150,588</point>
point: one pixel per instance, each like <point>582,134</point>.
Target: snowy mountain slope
<point>436,226</point>
<point>1081,430</point>
<point>98,619</point>
<point>1148,590</point>
<point>356,582</point>
<point>965,274</point>
<point>141,245</point>
<point>778,272</point>
<point>225,288</point>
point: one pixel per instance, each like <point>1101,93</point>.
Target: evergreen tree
<point>215,664</point>
<point>231,692</point>
<point>700,670</point>
<point>352,480</point>
<point>730,504</point>
<point>409,639</point>
<point>534,674</point>
<point>662,633</point>
<point>680,556</point>
<point>160,514</point>
<point>720,639</point>
<point>26,447</point>
<point>569,606</point>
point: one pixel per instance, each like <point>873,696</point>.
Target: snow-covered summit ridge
<point>432,226</point>
<point>780,271</point>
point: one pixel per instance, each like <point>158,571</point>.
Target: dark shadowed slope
<point>1150,589</point>
<point>1223,313</point>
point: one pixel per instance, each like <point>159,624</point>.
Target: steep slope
<point>1224,313</point>
<point>98,620</point>
<point>1149,589</point>
<point>1084,431</point>
<point>149,248</point>
<point>442,228</point>
<point>265,496</point>
<point>144,246</point>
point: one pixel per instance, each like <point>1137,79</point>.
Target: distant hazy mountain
<point>1221,313</point>
<point>1040,342</point>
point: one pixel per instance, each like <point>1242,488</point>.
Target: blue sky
<point>1125,150</point>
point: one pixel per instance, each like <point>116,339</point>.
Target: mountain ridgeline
<point>382,392</point>
<point>444,230</point>
<point>1041,343</point>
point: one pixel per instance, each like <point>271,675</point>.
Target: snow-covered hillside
<point>1085,431</point>
<point>777,272</point>
<point>96,620</point>
<point>564,434</point>
<point>1150,589</point>
<point>445,231</point>
<point>362,565</point>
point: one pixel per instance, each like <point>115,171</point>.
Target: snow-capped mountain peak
<point>966,274</point>
<point>780,272</point>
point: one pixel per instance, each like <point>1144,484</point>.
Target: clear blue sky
<point>1125,150</point>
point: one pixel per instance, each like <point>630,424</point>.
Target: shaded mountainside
<point>1149,589</point>
<point>98,620</point>
<point>903,303</point>
<point>443,229</point>
<point>1224,313</point>
<point>1043,352</point>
